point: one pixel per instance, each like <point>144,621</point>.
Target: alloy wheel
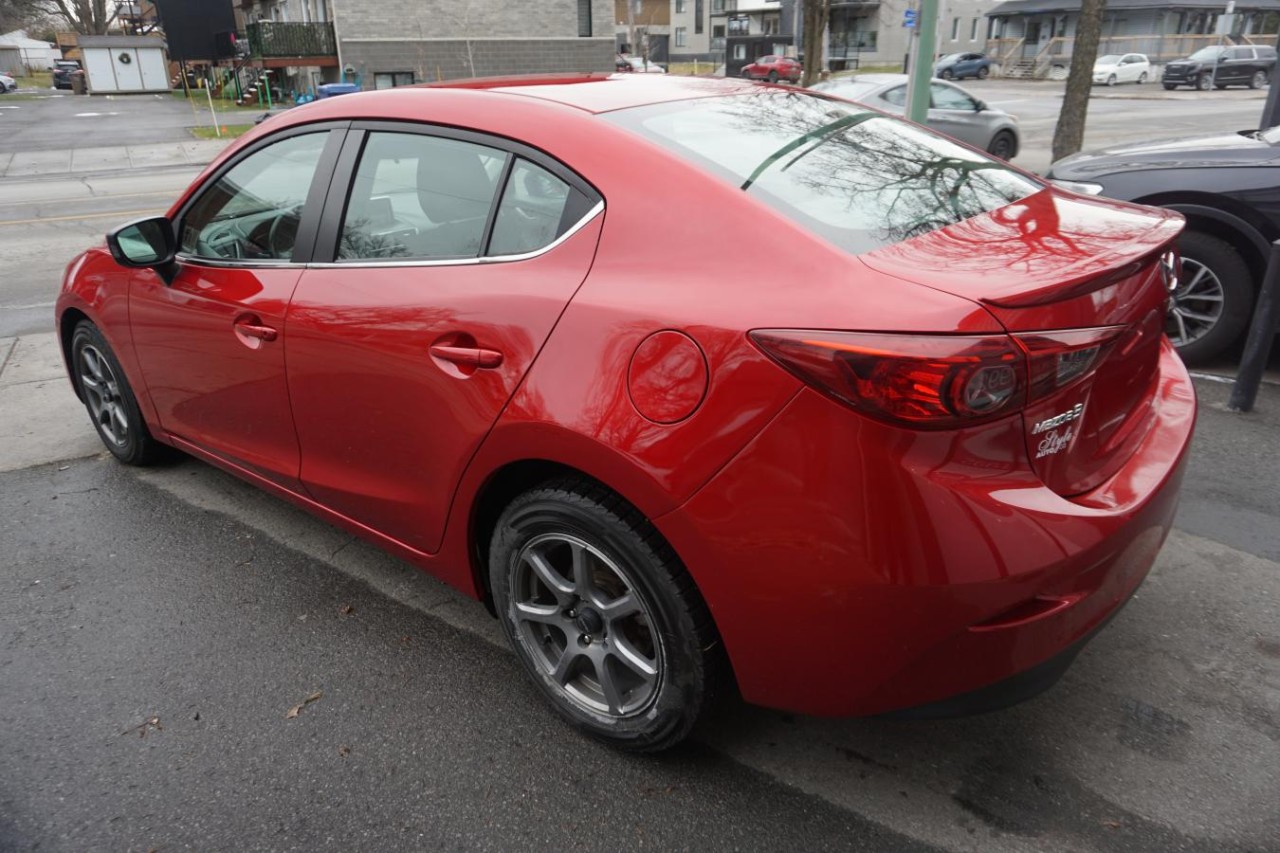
<point>1197,304</point>
<point>585,625</point>
<point>103,396</point>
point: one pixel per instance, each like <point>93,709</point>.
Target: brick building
<point>385,43</point>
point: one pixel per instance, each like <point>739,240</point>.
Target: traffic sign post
<point>925,30</point>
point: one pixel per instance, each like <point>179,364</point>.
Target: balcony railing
<point>270,39</point>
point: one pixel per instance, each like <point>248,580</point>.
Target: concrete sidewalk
<point>53,424</point>
<point>118,158</point>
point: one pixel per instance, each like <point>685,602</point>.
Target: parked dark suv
<point>62,71</point>
<point>1220,67</point>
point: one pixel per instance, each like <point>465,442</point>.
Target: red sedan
<point>896,429</point>
<point>773,69</point>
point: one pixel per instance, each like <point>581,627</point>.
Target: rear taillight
<point>937,381</point>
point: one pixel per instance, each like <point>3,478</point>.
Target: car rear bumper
<point>855,569</point>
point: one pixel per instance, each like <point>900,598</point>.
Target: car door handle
<point>253,330</point>
<point>467,356</point>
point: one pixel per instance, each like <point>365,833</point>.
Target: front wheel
<point>1003,145</point>
<point>1258,80</point>
<point>773,76</point>
<point>984,72</point>
<point>603,616</point>
<point>109,399</point>
<point>1211,306</point>
<point>1204,82</point>
<point>947,74</point>
<point>1111,81</point>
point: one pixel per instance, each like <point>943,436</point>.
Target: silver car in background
<point>952,110</point>
<point>7,84</point>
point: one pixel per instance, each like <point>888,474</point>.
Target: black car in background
<point>62,71</point>
<point>1228,188</point>
<point>1220,67</point>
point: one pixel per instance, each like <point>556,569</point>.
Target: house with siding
<point>1034,38</point>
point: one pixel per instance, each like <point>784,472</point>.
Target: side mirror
<point>979,106</point>
<point>145,244</point>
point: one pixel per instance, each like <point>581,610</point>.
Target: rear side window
<point>417,196</point>
<point>531,212</point>
<point>858,178</point>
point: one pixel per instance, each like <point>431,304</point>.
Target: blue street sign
<point>909,18</point>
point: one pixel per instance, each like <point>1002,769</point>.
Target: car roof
<point>878,79</point>
<point>598,92</point>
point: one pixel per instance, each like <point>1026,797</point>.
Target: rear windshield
<point>860,179</point>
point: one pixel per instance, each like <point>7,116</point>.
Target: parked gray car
<point>7,84</point>
<point>952,110</point>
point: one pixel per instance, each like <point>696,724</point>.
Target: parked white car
<point>1121,68</point>
<point>7,84</point>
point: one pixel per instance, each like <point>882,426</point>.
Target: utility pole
<point>631,26</point>
<point>926,40</point>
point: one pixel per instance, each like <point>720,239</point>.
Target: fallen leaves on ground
<point>143,727</point>
<point>297,709</point>
<point>344,751</point>
<point>346,610</point>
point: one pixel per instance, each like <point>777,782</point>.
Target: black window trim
<point>329,230</point>
<point>304,244</point>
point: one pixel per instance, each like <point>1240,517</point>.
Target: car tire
<point>1169,87</point>
<point>984,72</point>
<point>1204,82</point>
<point>1111,81</point>
<point>107,397</point>
<point>1142,78</point>
<point>773,76</point>
<point>1211,267</point>
<point>1003,145</point>
<point>1258,80</point>
<point>574,547</point>
<point>947,74</point>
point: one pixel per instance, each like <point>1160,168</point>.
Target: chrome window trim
<point>360,263</point>
<point>198,260</point>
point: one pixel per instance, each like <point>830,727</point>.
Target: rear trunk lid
<point>1055,261</point>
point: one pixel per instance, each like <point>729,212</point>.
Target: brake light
<point>937,381</point>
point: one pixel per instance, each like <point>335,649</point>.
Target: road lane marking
<point>4,222</point>
<point>170,193</point>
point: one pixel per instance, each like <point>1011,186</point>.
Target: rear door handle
<point>467,356</point>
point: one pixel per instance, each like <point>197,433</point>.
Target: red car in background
<point>897,429</point>
<point>773,69</point>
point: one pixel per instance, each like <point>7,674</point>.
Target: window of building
<point>955,28</point>
<point>584,19</point>
<point>973,29</point>
<point>739,51</point>
<point>682,36</point>
<point>679,7</point>
<point>698,9</point>
<point>391,79</point>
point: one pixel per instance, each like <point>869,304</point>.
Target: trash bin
<point>79,85</point>
<point>330,90</point>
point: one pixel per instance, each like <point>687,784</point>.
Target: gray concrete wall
<point>447,59</point>
<point>435,19</point>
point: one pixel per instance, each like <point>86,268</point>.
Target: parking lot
<point>190,663</point>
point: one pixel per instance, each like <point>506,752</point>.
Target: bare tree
<point>87,17</point>
<point>1068,136</point>
<point>816,15</point>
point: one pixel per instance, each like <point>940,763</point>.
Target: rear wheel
<point>1211,306</point>
<point>1003,145</point>
<point>603,615</point>
<point>1204,82</point>
<point>1142,78</point>
<point>984,72</point>
<point>109,399</point>
<point>1258,80</point>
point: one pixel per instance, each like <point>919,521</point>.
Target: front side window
<point>857,178</point>
<point>253,211</point>
<point>947,98</point>
<point>417,196</point>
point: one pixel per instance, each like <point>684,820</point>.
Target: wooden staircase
<point>1021,69</point>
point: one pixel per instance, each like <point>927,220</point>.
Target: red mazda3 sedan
<point>795,395</point>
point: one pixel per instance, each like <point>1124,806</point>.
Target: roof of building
<point>1028,7</point>
<point>120,41</point>
<point>19,38</point>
